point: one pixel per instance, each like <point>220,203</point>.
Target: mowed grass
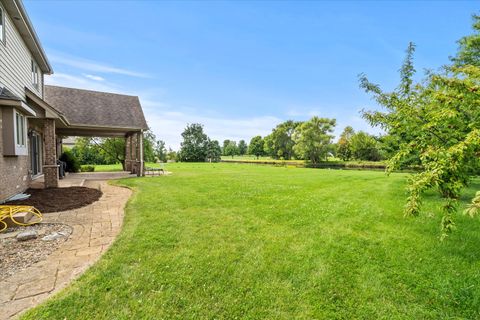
<point>233,241</point>
<point>118,167</point>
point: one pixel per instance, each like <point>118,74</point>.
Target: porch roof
<point>6,94</point>
<point>93,112</point>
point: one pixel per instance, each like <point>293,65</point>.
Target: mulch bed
<point>59,199</point>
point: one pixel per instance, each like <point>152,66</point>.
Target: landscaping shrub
<point>87,168</point>
<point>72,162</point>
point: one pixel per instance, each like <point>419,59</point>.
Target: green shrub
<point>87,168</point>
<point>73,165</point>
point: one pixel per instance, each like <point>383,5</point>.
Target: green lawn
<point>245,157</point>
<point>233,241</point>
<point>118,167</point>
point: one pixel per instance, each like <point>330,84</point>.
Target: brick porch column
<point>50,167</point>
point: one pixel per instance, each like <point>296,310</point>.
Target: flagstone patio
<point>94,229</point>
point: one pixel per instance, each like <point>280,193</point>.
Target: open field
<point>245,157</point>
<point>330,164</point>
<point>233,241</point>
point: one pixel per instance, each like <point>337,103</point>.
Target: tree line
<point>98,151</point>
<point>310,140</point>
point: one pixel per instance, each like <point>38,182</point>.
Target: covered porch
<point>85,113</point>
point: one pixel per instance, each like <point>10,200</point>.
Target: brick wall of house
<point>14,172</point>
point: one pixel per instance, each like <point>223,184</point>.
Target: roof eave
<point>106,127</point>
<point>18,104</point>
<point>51,112</point>
<point>21,20</point>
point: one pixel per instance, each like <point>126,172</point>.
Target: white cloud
<point>169,125</point>
<point>93,77</point>
<point>92,66</point>
<point>168,121</point>
<point>68,80</point>
<point>304,112</point>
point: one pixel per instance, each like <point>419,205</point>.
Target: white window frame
<point>20,133</point>
<point>38,137</point>
<point>35,79</point>
<point>3,33</point>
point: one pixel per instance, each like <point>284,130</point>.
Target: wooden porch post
<point>141,165</point>
<point>50,167</point>
<point>128,152</point>
<point>134,152</point>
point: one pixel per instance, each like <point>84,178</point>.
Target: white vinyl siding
<point>16,63</point>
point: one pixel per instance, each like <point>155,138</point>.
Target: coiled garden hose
<point>10,211</point>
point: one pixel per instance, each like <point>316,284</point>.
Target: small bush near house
<point>87,168</point>
<point>73,165</point>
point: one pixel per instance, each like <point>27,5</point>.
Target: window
<point>20,125</point>
<point>34,74</point>
<point>2,25</point>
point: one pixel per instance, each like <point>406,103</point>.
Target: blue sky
<point>242,67</point>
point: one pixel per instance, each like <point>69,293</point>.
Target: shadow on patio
<point>84,179</point>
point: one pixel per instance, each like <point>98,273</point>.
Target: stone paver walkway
<point>94,229</point>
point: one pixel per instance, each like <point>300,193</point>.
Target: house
<point>34,117</point>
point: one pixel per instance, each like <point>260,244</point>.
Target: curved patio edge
<point>95,227</point>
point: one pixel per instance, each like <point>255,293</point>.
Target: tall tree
<point>364,146</point>
<point>86,152</point>
<point>231,149</point>
<point>439,119</point>
<point>149,142</point>
<point>242,147</point>
<point>469,47</point>
<point>344,149</point>
<point>214,151</point>
<point>313,138</point>
<point>112,149</point>
<point>171,155</point>
<point>279,144</point>
<point>160,151</point>
<point>226,142</point>
<point>194,145</point>
<point>256,146</point>
<point>268,148</point>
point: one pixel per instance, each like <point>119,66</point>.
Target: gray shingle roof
<point>7,95</point>
<point>94,108</point>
